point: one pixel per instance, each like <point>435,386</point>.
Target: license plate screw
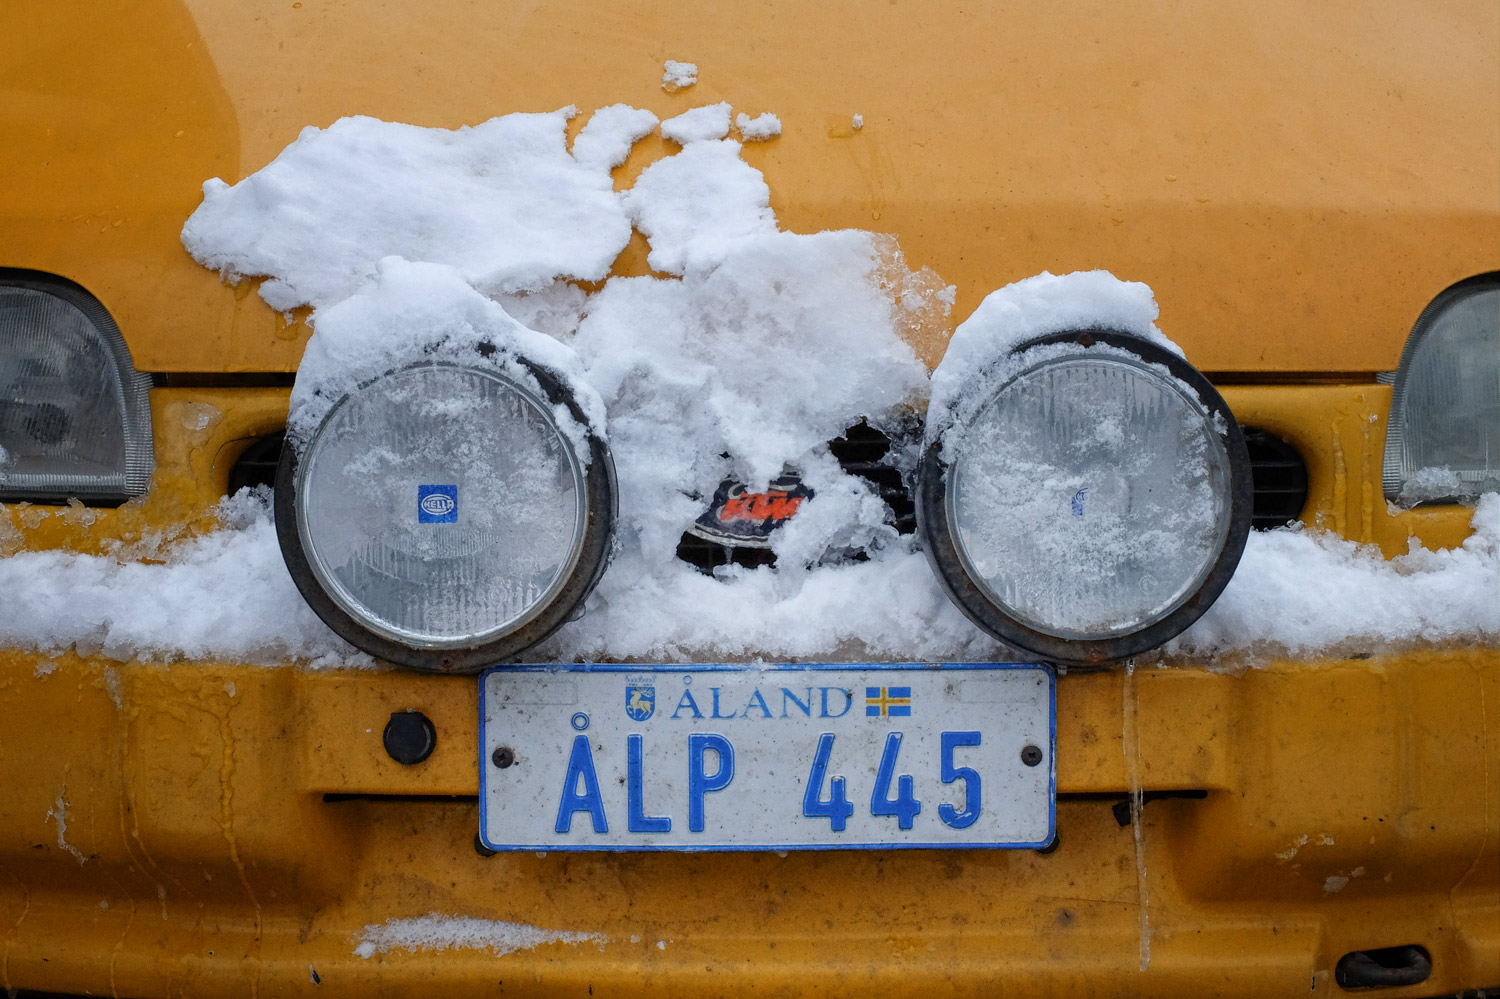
<point>1031,756</point>
<point>503,757</point>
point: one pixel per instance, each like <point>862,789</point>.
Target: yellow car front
<point>215,784</point>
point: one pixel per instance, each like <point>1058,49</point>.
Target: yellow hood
<point>1295,182</point>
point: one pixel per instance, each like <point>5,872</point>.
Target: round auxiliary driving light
<point>441,518</point>
<point>1089,503</point>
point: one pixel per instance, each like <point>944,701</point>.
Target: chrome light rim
<point>595,496</point>
<point>973,598</point>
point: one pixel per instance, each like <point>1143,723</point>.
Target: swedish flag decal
<point>887,702</point>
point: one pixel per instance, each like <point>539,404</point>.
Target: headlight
<point>1443,440</point>
<point>441,516</point>
<point>1090,502</point>
<point>75,415</point>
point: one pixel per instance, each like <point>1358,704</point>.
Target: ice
<point>503,202</point>
<point>436,932</point>
<point>701,124</point>
<point>759,128</point>
<point>676,75</point>
<point>1427,484</point>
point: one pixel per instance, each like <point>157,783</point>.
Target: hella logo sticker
<point>437,504</point>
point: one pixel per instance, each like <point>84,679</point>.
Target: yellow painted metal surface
<point>209,861</point>
<point>1295,182</point>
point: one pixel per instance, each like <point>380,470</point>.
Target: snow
<point>1024,310</point>
<point>750,347</point>
<point>435,932</point>
<point>676,75</point>
<point>58,813</point>
<point>502,201</point>
<point>609,134</point>
<point>759,128</point>
<point>224,595</point>
<point>425,312</point>
<point>1303,591</point>
<point>701,124</point>
<point>696,207</point>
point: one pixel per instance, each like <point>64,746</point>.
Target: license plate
<point>792,757</point>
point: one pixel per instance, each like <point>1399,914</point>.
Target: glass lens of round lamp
<point>1090,497</point>
<point>441,506</point>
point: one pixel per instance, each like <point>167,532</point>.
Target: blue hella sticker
<point>437,504</point>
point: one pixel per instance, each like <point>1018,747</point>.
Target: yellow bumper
<point>228,829</point>
<point>214,829</point>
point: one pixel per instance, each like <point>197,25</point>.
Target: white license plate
<point>793,757</point>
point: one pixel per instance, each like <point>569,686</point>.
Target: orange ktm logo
<point>774,504</point>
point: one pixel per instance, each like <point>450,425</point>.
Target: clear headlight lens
<point>445,516</point>
<point>1443,440</point>
<point>1090,497</point>
<point>1093,504</point>
<point>75,416</point>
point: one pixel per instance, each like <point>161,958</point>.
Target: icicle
<point>1132,747</point>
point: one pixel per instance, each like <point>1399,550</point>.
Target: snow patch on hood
<point>698,206</point>
<point>677,75</point>
<point>607,138</point>
<point>711,121</point>
<point>503,202</point>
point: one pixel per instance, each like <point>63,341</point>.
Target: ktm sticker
<point>771,505</point>
<point>742,519</point>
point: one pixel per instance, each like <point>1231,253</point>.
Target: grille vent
<point>1279,476</point>
<point>256,465</point>
<point>866,452</point>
